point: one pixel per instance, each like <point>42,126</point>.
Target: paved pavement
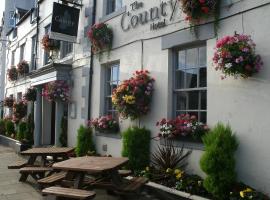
<point>12,189</point>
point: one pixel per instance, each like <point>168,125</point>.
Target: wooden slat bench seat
<point>35,172</point>
<point>53,179</point>
<point>18,165</point>
<point>69,193</point>
<point>124,173</point>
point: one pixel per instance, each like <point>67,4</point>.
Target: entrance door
<point>53,124</point>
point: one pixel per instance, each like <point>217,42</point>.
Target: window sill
<point>109,135</point>
<point>187,144</point>
<point>113,15</point>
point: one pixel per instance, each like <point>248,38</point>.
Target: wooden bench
<point>17,165</point>
<point>35,172</point>
<point>124,173</point>
<point>53,179</point>
<point>69,193</point>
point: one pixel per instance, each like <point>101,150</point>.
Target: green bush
<point>84,141</point>
<point>29,133</point>
<point>63,135</point>
<point>2,127</point>
<point>22,128</point>
<point>10,128</point>
<point>136,146</point>
<point>218,161</point>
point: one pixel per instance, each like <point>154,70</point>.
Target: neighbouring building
<point>152,35</point>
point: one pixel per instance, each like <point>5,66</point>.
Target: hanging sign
<point>64,24</point>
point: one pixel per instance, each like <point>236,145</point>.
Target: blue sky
<point>2,7</point>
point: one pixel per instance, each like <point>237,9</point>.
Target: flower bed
<point>235,56</point>
<point>23,68</point>
<point>12,73</point>
<point>8,102</point>
<point>132,98</point>
<point>184,126</point>
<point>101,37</point>
<point>30,95</point>
<point>105,124</point>
<point>57,90</point>
<point>50,44</point>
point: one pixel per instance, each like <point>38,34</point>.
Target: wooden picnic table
<point>54,152</point>
<point>77,168</point>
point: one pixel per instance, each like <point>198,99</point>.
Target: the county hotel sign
<point>157,17</point>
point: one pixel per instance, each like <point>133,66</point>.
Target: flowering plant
<point>49,44</point>
<point>30,95</point>
<point>198,9</point>
<point>56,90</point>
<point>101,37</point>
<point>132,98</point>
<point>235,55</point>
<point>23,67</point>
<point>105,123</point>
<point>8,102</point>
<point>183,125</point>
<point>19,111</point>
<point>12,74</point>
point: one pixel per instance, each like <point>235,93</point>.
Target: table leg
<point>116,178</point>
<point>30,162</point>
<point>78,182</point>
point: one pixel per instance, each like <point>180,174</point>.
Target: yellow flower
<point>168,170</point>
<point>114,99</point>
<point>129,99</point>
<point>179,176</point>
<point>177,171</point>
<point>147,169</point>
<point>248,190</point>
<point>242,194</point>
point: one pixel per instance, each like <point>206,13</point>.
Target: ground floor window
<point>190,82</point>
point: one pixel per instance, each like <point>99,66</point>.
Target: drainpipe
<point>91,64</point>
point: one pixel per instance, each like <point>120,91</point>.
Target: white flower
<point>228,65</point>
<point>220,61</point>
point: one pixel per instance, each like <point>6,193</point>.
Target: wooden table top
<point>48,151</point>
<point>91,164</point>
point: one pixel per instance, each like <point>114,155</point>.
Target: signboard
<point>64,24</point>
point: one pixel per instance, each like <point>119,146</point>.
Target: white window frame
<point>112,6</point>
<point>22,51</point>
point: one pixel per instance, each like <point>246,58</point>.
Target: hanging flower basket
<point>12,74</point>
<point>182,126</point>
<point>50,44</point>
<point>235,56</point>
<point>197,10</point>
<point>30,95</point>
<point>105,124</point>
<point>133,97</point>
<point>8,102</point>
<point>23,68</point>
<point>101,37</point>
<point>19,111</point>
<point>57,90</point>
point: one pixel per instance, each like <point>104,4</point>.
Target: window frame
<point>13,54</point>
<point>22,51</point>
<point>110,8</point>
<point>46,56</point>
<point>176,91</point>
<point>33,51</point>
<point>66,48</point>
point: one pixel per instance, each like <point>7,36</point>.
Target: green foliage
<point>10,129</point>
<point>22,127</point>
<point>218,161</point>
<point>29,133</point>
<point>136,146</point>
<point>63,135</point>
<point>84,141</point>
<point>2,127</point>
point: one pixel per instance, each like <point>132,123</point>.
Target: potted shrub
<point>8,102</point>
<point>235,56</point>
<point>132,98</point>
<point>12,73</point>
<point>30,95</point>
<point>84,141</point>
<point>23,68</point>
<point>101,37</point>
<point>105,124</point>
<point>56,90</point>
<point>10,128</point>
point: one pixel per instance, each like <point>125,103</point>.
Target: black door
<point>53,124</point>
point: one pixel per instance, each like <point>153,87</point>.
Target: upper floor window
<point>11,19</point>
<point>46,54</point>
<point>33,52</point>
<point>14,32</point>
<point>19,96</point>
<point>190,82</point>
<point>113,5</point>
<point>66,48</point>
<point>111,82</point>
<point>13,57</point>
<point>22,49</point>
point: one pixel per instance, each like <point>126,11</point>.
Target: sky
<point>2,8</point>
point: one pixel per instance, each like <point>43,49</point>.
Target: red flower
<point>202,1</point>
<point>205,9</point>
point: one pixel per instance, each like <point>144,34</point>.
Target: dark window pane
<point>180,113</point>
<point>181,101</point>
<point>203,77</point>
<point>114,86</point>
<point>179,79</point>
<point>193,100</point>
<point>109,103</point>
<point>181,59</point>
<point>203,117</point>
<point>191,78</point>
<point>108,74</point>
<point>202,56</point>
<point>192,58</point>
<point>203,100</point>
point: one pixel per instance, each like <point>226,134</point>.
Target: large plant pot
<point>15,144</point>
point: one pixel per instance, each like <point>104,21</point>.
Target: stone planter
<point>15,144</point>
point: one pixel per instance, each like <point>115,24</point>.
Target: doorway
<point>53,124</point>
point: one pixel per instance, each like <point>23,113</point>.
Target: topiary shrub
<point>2,127</point>
<point>84,141</point>
<point>29,133</point>
<point>218,161</point>
<point>136,146</point>
<point>10,128</point>
<point>22,128</point>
